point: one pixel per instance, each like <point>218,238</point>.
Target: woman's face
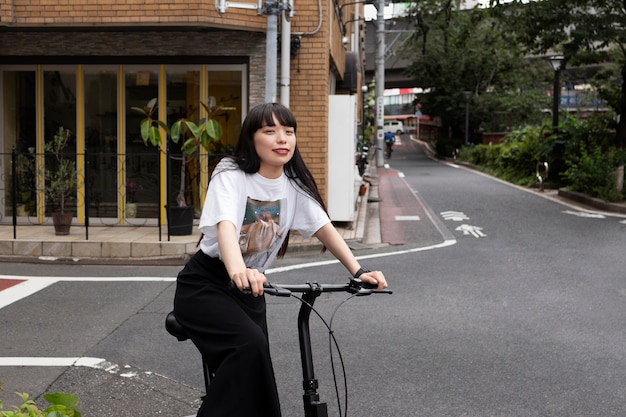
<point>275,146</point>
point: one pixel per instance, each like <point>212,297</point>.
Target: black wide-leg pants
<point>229,329</point>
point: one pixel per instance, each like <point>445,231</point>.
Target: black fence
<point>30,197</point>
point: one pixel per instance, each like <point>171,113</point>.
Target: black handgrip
<point>275,290</point>
<point>365,288</point>
<point>267,288</point>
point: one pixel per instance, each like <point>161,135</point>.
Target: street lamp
<point>556,61</point>
<point>468,95</point>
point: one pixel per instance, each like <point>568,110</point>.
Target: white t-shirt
<point>263,211</point>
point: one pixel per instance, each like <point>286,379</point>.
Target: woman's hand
<point>249,281</point>
<point>375,278</point>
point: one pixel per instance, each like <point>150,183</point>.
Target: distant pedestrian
<point>390,138</point>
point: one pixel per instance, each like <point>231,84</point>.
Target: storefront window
<point>227,87</point>
<point>141,165</point>
<point>59,99</point>
<point>183,101</point>
<point>101,132</point>
<point>124,178</point>
<point>19,133</point>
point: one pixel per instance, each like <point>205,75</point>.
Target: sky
<point>371,13</point>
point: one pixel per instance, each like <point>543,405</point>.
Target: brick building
<point>83,64</point>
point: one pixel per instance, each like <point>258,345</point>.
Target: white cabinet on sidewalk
<point>343,180</point>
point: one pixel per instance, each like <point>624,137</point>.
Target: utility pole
<point>380,82</point>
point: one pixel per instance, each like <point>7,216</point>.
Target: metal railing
<point>114,189</point>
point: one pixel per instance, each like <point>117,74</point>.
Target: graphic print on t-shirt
<point>261,226</point>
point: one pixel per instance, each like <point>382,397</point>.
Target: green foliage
<point>194,136</point>
<point>514,160</point>
<point>473,50</point>
<point>586,32</point>
<point>580,156</point>
<point>591,172</point>
<point>62,405</point>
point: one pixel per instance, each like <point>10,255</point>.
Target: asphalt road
<point>519,313</point>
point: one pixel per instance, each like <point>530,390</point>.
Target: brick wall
<point>130,12</point>
<point>6,12</point>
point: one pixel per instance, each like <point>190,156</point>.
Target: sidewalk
<point>137,243</point>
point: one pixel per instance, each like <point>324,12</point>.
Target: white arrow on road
<point>456,216</point>
<point>471,230</point>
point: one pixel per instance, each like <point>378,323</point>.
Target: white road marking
<point>22,290</point>
<point>97,363</point>
<point>471,230</point>
<point>585,214</point>
<point>407,218</point>
<point>455,216</point>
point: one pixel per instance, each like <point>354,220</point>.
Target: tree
<point>473,50</point>
<point>585,32</point>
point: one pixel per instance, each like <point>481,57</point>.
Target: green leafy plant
<point>193,136</point>
<point>61,405</point>
<point>591,172</point>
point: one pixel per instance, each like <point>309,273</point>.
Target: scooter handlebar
<point>354,286</point>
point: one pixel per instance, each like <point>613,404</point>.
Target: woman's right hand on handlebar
<point>249,281</point>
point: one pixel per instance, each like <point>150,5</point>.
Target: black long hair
<point>248,160</point>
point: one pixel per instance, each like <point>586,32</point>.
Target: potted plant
<point>61,180</point>
<point>192,138</point>
<point>132,188</point>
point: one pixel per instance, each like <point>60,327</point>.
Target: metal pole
<point>14,189</point>
<point>555,102</point>
<point>466,122</point>
<point>380,83</point>
<point>468,95</point>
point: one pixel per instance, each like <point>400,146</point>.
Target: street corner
<point>136,392</point>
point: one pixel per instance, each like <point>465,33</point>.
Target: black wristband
<point>360,272</point>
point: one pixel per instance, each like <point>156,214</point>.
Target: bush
<point>515,159</point>
<point>581,156</point>
<point>591,172</point>
<point>62,405</point>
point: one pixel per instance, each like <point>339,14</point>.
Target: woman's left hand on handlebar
<point>375,278</point>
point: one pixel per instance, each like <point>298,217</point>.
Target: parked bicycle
<point>313,407</point>
<point>362,158</point>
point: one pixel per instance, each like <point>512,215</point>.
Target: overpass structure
<point>396,59</point>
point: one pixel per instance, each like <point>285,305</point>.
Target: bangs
<point>284,116</point>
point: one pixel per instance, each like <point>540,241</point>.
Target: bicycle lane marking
<point>13,289</point>
<point>404,216</point>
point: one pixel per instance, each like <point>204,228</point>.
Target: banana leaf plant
<point>192,136</point>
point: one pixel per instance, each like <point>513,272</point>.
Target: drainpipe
<point>285,57</point>
<point>380,83</point>
<point>272,9</point>
<point>271,56</point>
